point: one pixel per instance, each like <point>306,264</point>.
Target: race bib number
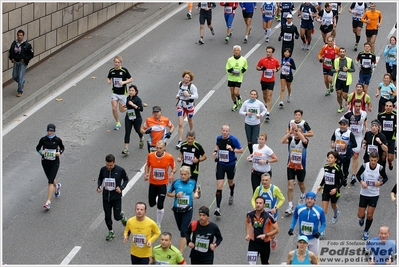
<point>50,154</point>
<point>268,13</point>
<point>139,240</point>
<point>327,21</point>
<point>305,16</point>
<point>228,9</point>
<point>329,178</point>
<point>338,148</point>
<point>201,244</point>
<point>162,262</point>
<point>159,174</point>
<point>109,184</point>
<point>366,63</point>
<point>285,70</point>
<point>285,14</point>
<point>328,62</point>
<point>188,158</point>
<point>387,126</point>
<point>287,37</point>
<point>204,5</point>
<point>342,75</point>
<point>268,204</point>
<point>372,148</point>
<point>183,201</point>
<point>116,82</point>
<point>355,129</point>
<point>391,56</point>
<point>252,257</point>
<point>268,73</point>
<point>131,113</point>
<point>296,157</point>
<point>224,156</point>
<point>307,228</point>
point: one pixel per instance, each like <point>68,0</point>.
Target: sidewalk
<point>81,54</point>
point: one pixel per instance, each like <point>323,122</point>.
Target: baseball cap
<point>51,127</point>
<point>304,238</point>
<point>289,16</point>
<point>345,121</point>
<point>156,109</point>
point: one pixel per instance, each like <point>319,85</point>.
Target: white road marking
<point>70,256</point>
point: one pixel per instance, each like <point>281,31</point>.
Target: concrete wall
<point>52,25</point>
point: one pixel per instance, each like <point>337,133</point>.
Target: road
<point>156,60</point>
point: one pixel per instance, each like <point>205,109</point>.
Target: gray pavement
<point>66,64</point>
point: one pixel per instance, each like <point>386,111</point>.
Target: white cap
<point>289,16</point>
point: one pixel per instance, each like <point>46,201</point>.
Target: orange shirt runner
<point>159,167</point>
<point>158,128</point>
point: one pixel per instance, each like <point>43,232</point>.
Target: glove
<point>297,37</point>
<point>148,131</point>
<point>291,232</point>
<point>262,68</point>
<point>317,234</point>
<point>279,38</point>
<point>167,135</point>
<point>230,70</point>
<point>321,60</point>
<point>243,70</point>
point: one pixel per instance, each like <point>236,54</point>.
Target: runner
<point>373,20</point>
<point>383,249</point>
<point>287,34</point>
<point>259,227</point>
<point>110,183</point>
<point>133,118</point>
<point>391,54</point>
<point>156,172</point>
<point>226,147</point>
<point>309,216</point>
<point>166,253</point>
<point>191,154</point>
<point>205,9</point>
<point>185,104</point>
<point>144,232</point>
<point>268,65</point>
<point>337,10</point>
<point>235,68</point>
<point>261,158</point>
<point>307,12</point>
<point>357,10</point>
<point>155,126</point>
<point>189,9</point>
<point>229,13</point>
<point>274,199</point>
<point>369,176</point>
<point>118,76</point>
<point>367,62</point>
<point>362,96</point>
<point>388,118</point>
<point>253,110</point>
<point>200,236</point>
<point>358,125</point>
<point>296,166</point>
<point>375,141</point>
<point>326,56</point>
<point>302,255</point>
<point>50,148</point>
<point>248,9</point>
<point>286,9</point>
<point>286,76</point>
<point>330,185</point>
<point>387,92</point>
<point>327,19</point>
<point>343,68</point>
<point>185,190</point>
<point>343,141</point>
<point>269,10</point>
<point>301,123</point>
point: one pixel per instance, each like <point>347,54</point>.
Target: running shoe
<point>231,200</point>
<point>213,32</point>
<point>267,39</point>
<point>231,33</point>
<point>47,205</point>
<point>308,46</point>
<point>117,126</point>
<point>234,108</point>
<point>123,220</point>
<point>301,200</point>
<point>249,32</point>
<point>217,212</point>
<point>239,103</point>
<point>365,235</point>
<point>289,99</point>
<point>110,236</point>
<point>327,93</point>
<point>278,17</point>
<point>267,116</point>
<point>353,180</point>
<point>199,191</point>
<point>227,39</point>
<point>178,146</point>
<point>303,46</point>
<point>361,222</point>
<point>331,88</point>
<point>335,219</point>
<point>340,109</point>
<point>290,210</point>
<point>355,47</point>
<point>189,16</point>
<point>390,166</point>
<point>281,105</point>
<point>246,39</point>
<point>201,41</point>
<point>273,243</point>
<point>57,190</point>
<point>125,151</point>
<point>141,144</point>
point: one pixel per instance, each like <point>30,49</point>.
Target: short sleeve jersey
<point>160,167</point>
<point>158,128</point>
<point>116,76</point>
<point>270,65</point>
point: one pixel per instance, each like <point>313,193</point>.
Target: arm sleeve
<point>339,179</point>
<point>255,194</point>
<point>293,66</point>
<point>360,172</point>
<point>383,175</point>
<point>279,196</point>
<point>61,146</point>
<point>353,142</point>
<point>100,178</point>
<point>218,236</point>
<point>125,179</point>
